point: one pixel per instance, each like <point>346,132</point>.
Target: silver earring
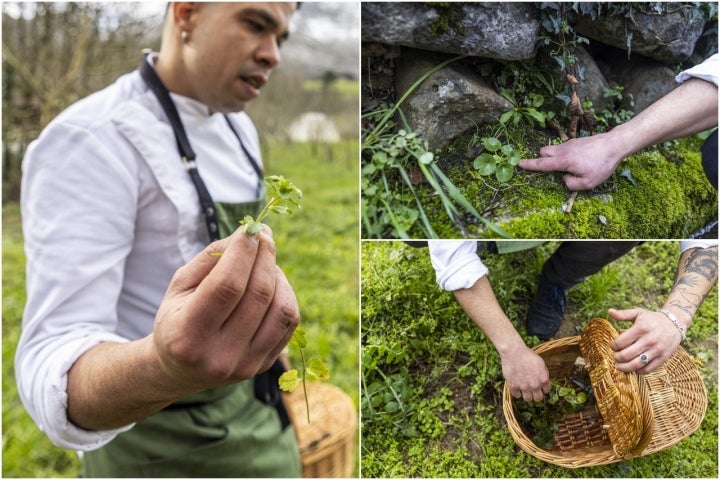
<point>184,36</point>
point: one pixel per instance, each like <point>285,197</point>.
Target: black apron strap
<point>709,151</point>
<point>186,152</point>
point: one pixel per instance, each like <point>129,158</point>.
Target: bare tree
<point>55,54</point>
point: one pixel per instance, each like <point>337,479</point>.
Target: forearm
<point>690,108</point>
<point>481,306</point>
<point>697,273</point>
<point>116,384</point>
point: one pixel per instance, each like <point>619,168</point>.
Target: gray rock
<point>447,104</point>
<point>669,37</point>
<point>503,30</point>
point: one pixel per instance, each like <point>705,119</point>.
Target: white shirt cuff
<point>49,389</point>
<point>707,70</point>
<point>456,263</point>
<point>688,244</point>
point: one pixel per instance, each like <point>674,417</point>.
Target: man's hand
<point>226,318</point>
<point>587,161</point>
<point>526,374</point>
<point>652,334</point>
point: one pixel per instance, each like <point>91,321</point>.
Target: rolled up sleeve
<point>456,263</point>
<point>707,70</point>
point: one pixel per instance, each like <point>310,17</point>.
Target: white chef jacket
<point>707,70</point>
<point>458,266</point>
<point>109,214</point>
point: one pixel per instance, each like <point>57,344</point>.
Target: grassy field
<point>317,249</point>
<point>431,382</point>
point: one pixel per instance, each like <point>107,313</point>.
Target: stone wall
<point>401,39</point>
<point>640,51</point>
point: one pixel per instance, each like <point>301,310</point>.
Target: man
<point>642,348</point>
<point>690,108</point>
<point>141,347</point>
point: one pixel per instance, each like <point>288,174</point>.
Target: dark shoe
<point>546,311</point>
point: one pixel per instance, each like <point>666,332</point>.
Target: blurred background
<point>54,54</point>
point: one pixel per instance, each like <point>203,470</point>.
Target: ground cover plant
<point>317,249</point>
<point>431,392</point>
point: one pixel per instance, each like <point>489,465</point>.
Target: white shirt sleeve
<point>688,244</point>
<point>708,71</point>
<point>78,209</point>
<point>456,263</point>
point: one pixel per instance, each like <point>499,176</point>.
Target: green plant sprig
<point>284,200</point>
<point>314,367</point>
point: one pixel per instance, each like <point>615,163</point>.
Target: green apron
<point>223,432</point>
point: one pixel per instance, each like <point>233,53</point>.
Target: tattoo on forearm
<point>704,262</point>
<point>695,274</point>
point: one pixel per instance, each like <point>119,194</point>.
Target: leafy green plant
<point>390,205</point>
<point>284,200</point>
<point>499,159</point>
<point>539,419</point>
<point>525,111</point>
<point>313,367</point>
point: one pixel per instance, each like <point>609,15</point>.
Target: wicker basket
<point>327,443</point>
<point>634,415</point>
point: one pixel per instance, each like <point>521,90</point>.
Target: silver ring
<point>644,359</point>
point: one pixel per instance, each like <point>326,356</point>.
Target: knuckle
<point>262,293</point>
<point>228,292</point>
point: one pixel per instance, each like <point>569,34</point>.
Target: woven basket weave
<point>634,415</point>
<point>327,443</point>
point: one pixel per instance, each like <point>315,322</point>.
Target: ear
<point>183,14</point>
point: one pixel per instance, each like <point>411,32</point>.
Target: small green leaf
<point>298,337</point>
<point>289,380</point>
<point>537,100</point>
<point>485,164</point>
<point>537,116</point>
<point>426,158</point>
<point>506,116</point>
<point>250,226</point>
<point>504,172</point>
<point>514,158</point>
<point>491,144</point>
<point>318,369</point>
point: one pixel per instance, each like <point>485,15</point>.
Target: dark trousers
<point>573,261</point>
<point>710,158</point>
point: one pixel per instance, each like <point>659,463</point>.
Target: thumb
<point>192,273</point>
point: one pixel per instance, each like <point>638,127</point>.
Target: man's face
<point>232,50</point>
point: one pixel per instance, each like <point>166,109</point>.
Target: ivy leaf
<point>289,380</point>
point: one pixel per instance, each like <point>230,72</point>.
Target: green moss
<point>449,19</point>
<point>671,198</point>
